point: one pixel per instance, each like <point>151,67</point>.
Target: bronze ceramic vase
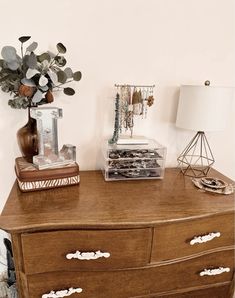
<point>28,139</point>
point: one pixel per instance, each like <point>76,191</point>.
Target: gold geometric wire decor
<point>197,158</point>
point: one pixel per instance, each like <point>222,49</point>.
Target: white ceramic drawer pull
<point>87,255</point>
<point>62,293</point>
<point>204,238</point>
<point>216,271</point>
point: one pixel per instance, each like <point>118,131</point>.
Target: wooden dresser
<point>122,239</point>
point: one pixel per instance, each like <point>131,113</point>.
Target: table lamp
<point>202,109</point>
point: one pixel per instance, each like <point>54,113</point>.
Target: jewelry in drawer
<point>85,249</point>
<point>185,238</point>
<point>209,269</point>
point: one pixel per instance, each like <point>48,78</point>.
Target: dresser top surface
<point>99,204</point>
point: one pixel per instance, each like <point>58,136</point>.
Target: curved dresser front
<point>155,238</point>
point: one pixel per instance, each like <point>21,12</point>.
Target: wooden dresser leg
<point>231,290</point>
<point>18,261</point>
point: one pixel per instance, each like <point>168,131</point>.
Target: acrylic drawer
<point>135,282</point>
<point>57,250</point>
<point>175,240</point>
<point>128,162</point>
<point>112,174</point>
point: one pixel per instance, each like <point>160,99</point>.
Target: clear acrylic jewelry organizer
<point>129,157</point>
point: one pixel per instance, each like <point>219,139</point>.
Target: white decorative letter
<point>49,155</point>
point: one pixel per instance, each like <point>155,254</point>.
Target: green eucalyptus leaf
<point>37,96</point>
<point>61,76</point>
<point>43,81</point>
<point>69,72</point>
<point>32,61</point>
<point>14,76</point>
<point>31,73</point>
<point>45,64</point>
<point>5,69</point>
<point>5,66</point>
<point>61,48</point>
<point>13,104</point>
<point>5,88</point>
<point>69,91</point>
<point>44,56</point>
<point>4,78</point>
<point>28,82</point>
<point>8,53</point>
<point>77,76</point>
<point>32,47</point>
<point>25,61</point>
<point>16,85</point>
<point>13,65</point>
<point>53,76</point>
<point>24,38</point>
<point>1,63</point>
<point>18,103</point>
<point>44,88</point>
<point>60,61</point>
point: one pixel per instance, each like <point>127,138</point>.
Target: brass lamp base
<point>197,158</point>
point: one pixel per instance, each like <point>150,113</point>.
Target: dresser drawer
<point>217,291</point>
<point>135,282</point>
<point>185,238</point>
<point>96,250</point>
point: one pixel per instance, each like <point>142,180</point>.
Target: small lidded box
<point>134,161</point>
<point>30,178</point>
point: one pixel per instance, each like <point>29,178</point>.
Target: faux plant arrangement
<point>30,78</point>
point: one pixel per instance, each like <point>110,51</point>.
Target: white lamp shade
<point>203,108</point>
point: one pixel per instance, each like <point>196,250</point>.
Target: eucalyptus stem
<point>53,59</point>
<point>64,83</point>
<point>22,50</point>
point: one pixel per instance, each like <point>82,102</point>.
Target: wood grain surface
<point>218,291</point>
<point>127,248</point>
<point>134,282</point>
<point>99,204</point>
<point>178,236</point>
<point>146,225</point>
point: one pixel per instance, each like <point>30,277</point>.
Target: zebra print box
<point>29,178</point>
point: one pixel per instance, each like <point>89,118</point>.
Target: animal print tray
<point>29,178</point>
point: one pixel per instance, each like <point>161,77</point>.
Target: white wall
<point>162,42</point>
